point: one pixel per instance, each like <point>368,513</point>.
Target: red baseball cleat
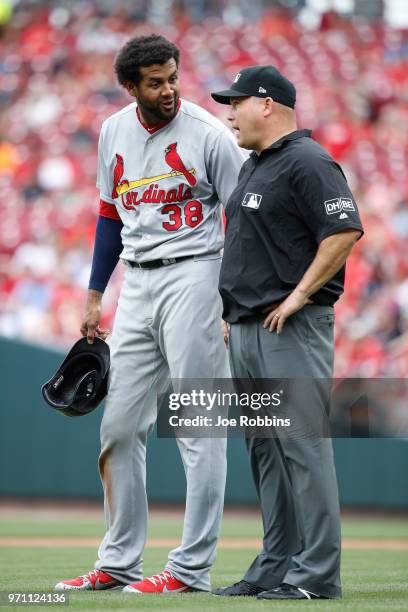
<point>96,580</point>
<point>164,583</point>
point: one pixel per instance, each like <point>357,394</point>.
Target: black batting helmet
<point>80,383</point>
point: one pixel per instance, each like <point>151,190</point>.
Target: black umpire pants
<point>294,475</point>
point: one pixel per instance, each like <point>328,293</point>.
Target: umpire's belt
<point>157,263</point>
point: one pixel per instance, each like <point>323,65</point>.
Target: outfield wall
<point>47,455</point>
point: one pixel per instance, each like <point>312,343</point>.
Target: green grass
<point>372,580</point>
<point>247,527</point>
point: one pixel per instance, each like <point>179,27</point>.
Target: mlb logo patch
<point>252,200</point>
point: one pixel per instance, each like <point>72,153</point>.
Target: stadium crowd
<point>57,86</point>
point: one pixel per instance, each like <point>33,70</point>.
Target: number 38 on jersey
<point>190,214</point>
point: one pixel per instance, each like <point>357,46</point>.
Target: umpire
<point>291,224</point>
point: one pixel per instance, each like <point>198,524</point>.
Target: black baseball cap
<point>262,82</point>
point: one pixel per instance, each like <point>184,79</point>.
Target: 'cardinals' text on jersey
<point>167,185</point>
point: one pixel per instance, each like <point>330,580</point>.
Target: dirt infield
<point>226,543</point>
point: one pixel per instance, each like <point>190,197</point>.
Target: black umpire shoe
<point>239,589</point>
<point>288,591</point>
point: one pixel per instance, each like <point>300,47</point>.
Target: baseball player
<point>165,165</point>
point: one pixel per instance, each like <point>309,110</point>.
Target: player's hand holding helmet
<point>93,311</point>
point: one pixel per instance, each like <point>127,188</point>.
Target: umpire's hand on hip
<point>277,316</point>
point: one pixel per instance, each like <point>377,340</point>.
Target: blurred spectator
<point>57,86</point>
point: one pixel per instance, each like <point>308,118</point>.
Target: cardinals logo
<point>117,175</point>
<point>175,162</point>
<point>121,185</point>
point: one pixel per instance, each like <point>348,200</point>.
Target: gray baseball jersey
<point>167,185</point>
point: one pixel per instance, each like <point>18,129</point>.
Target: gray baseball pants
<point>168,324</point>
<point>295,477</point>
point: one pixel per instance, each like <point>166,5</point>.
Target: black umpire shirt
<point>288,199</point>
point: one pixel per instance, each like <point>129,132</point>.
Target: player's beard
<point>154,114</point>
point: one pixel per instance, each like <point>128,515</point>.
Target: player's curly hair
<point>143,51</point>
